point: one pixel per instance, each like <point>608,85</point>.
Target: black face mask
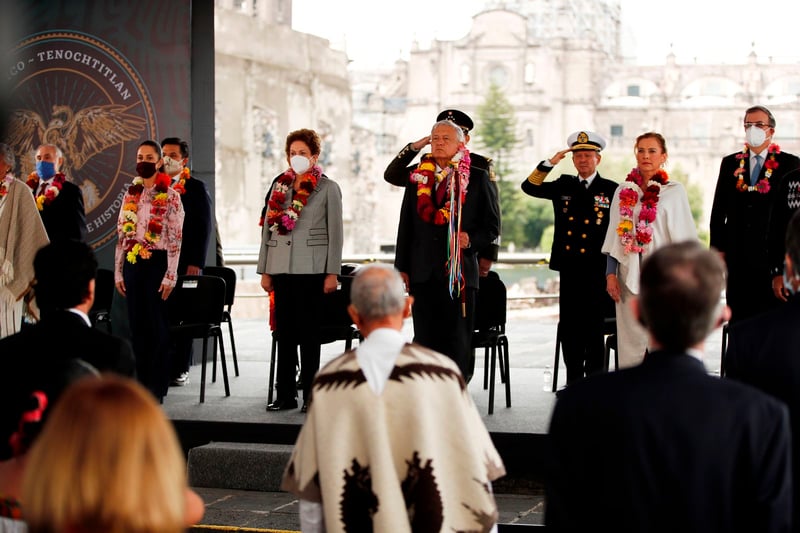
<point>145,169</point>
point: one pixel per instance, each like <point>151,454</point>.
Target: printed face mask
<point>45,169</point>
<point>172,166</point>
<point>755,136</point>
<point>299,163</point>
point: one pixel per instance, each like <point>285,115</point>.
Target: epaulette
<point>483,163</point>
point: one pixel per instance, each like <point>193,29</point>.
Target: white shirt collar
<point>377,355</point>
<point>590,179</point>
<point>81,314</point>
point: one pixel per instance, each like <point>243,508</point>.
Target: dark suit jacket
<point>422,247</point>
<point>739,220</point>
<point>764,351</point>
<point>34,358</point>
<point>196,225</point>
<point>665,447</point>
<point>581,219</point>
<point>65,218</point>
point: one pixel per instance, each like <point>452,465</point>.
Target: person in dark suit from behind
<point>65,286</point>
<point>763,350</point>
<point>664,446</point>
<point>196,234</point>
<point>581,206</point>
<point>60,202</point>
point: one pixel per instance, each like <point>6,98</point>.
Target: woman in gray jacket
<point>300,257</point>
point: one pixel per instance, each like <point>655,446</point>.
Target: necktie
<point>756,170</point>
<point>585,184</point>
<point>441,189</point>
<point>42,188</point>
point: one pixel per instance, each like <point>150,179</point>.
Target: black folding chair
<point>229,275</point>
<point>196,308</point>
<point>104,287</point>
<point>610,334</point>
<point>490,334</point>
<point>337,324</point>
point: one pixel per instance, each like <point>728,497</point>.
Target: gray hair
<point>7,154</point>
<point>59,153</point>
<point>755,108</point>
<point>378,292</point>
<point>449,123</point>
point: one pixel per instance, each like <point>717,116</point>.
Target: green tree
<point>523,221</point>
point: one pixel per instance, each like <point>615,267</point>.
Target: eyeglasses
<point>761,125</point>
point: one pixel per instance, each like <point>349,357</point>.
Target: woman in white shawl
<point>21,235</point>
<point>648,211</point>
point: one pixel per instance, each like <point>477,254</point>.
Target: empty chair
<point>229,275</point>
<point>490,333</point>
<point>196,307</point>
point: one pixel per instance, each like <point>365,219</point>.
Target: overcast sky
<point>710,30</point>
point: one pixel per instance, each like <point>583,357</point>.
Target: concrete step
<point>238,465</point>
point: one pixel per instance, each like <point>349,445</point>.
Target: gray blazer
<point>314,246</point>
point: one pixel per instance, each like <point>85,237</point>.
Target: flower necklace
<point>180,185</point>
<point>762,185</point>
<point>133,247</point>
<point>425,176</point>
<point>5,184</point>
<point>284,220</point>
<point>50,193</point>
<point>635,237</point>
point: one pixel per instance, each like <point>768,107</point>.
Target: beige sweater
<point>416,454</point>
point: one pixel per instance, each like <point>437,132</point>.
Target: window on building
<point>616,130</point>
<point>529,73</point>
<point>634,90</point>
<point>529,137</point>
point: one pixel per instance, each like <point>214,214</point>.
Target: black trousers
<point>148,318</point>
<point>440,324</point>
<point>749,288</point>
<point>583,306</point>
<point>181,350</point>
<point>298,306</point>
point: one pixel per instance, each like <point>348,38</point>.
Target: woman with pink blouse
<point>146,263</point>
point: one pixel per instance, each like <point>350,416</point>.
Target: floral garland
<point>635,237</point>
<point>762,186</point>
<point>425,176</point>
<point>5,184</point>
<point>284,220</point>
<point>50,193</point>
<point>180,185</point>
<point>133,247</point>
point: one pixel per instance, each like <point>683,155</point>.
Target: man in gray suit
<point>664,446</point>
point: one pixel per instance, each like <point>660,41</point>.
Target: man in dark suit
<point>664,446</point>
<point>763,351</point>
<point>60,202</point>
<point>747,188</point>
<point>437,259</point>
<point>196,234</point>
<point>487,255</point>
<point>581,204</point>
<point>65,287</point>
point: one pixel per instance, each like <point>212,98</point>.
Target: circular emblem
<point>79,93</point>
<point>583,138</point>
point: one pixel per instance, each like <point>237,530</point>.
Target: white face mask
<point>755,136</point>
<point>299,163</point>
<point>172,166</point>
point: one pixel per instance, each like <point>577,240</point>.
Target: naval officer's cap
<point>586,140</point>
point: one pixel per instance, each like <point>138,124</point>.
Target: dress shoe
<point>282,405</point>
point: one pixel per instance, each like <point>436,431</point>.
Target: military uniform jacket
<point>421,246</point>
<point>581,218</point>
